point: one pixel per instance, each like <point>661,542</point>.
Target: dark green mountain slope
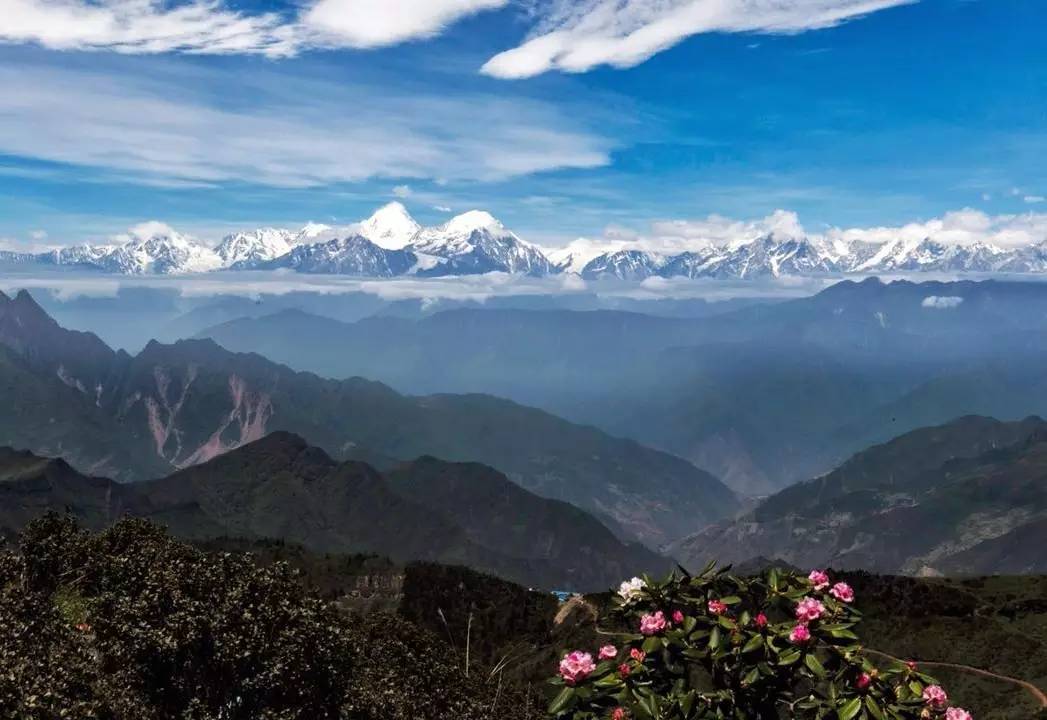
<point>954,498</point>
<point>280,487</point>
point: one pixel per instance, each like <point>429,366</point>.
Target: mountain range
<point>391,243</point>
<point>760,396</point>
<point>280,487</point>
<point>968,497</point>
<point>174,406</point>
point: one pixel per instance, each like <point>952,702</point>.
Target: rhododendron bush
<point>714,645</point>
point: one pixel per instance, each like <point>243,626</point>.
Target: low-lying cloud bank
<point>477,288</point>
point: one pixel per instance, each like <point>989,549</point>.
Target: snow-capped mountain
<point>390,227</point>
<point>391,243</point>
<point>354,255</point>
<point>152,248</point>
<point>625,265</point>
<point>248,249</point>
<point>475,242</point>
<point>773,255</point>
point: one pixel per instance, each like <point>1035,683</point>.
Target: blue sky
<point>848,118</point>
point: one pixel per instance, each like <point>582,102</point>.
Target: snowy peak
<point>390,227</point>
<point>473,220</point>
<point>353,255</point>
<point>476,242</point>
<point>625,265</point>
<point>158,248</point>
<point>247,249</point>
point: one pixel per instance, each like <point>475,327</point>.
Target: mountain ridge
<point>174,406</point>
<point>975,487</point>
<point>390,243</point>
<point>280,487</point>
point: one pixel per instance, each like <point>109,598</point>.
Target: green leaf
<point>815,666</point>
<point>731,600</point>
<point>772,579</point>
<point>561,701</point>
<point>755,641</point>
<point>873,708</point>
<point>850,709</point>
<point>843,634</point>
<point>687,702</point>
<point>789,658</point>
<point>714,638</point>
<point>651,644</point>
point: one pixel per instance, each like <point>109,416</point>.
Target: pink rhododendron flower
<point>842,592</point>
<point>618,713</point>
<point>623,670</point>
<point>760,620</point>
<point>809,609</point>
<point>819,579</point>
<point>911,665</point>
<point>678,617</point>
<point>799,635</point>
<point>716,607</point>
<point>955,713</point>
<point>608,652</point>
<point>576,666</point>
<point>652,624</point>
<point>863,681</point>
<point>637,654</point>
<point>935,696</point>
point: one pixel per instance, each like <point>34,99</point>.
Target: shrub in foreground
<point>129,624</point>
<point>713,645</point>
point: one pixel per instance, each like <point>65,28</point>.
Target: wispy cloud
<point>569,35</point>
<point>578,35</point>
<point>169,131</point>
<point>367,23</point>
<point>214,28</point>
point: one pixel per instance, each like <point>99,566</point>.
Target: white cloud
<point>941,302</point>
<point>38,235</point>
<point>1034,199</point>
<point>146,230</point>
<point>441,208</point>
<point>374,23</point>
<point>959,227</point>
<point>578,35</point>
<point>402,191</point>
<point>212,27</point>
<point>144,26</point>
<point>164,128</point>
<point>478,288</point>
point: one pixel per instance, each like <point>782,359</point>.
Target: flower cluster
<point>779,645</point>
<point>576,666</point>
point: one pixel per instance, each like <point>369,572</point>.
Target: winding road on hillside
<point>1036,692</point>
